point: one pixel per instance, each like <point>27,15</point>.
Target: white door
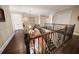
<point>17,21</point>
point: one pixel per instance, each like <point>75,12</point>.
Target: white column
<point>39,19</point>
<point>50,18</point>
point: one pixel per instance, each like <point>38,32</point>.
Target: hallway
<point>19,20</point>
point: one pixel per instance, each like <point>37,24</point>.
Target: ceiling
<point>50,7</point>
<point>39,9</point>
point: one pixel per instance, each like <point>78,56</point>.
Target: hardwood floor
<point>71,48</point>
<point>17,44</point>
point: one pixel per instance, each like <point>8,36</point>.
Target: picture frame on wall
<point>2,15</point>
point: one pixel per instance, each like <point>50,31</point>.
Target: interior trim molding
<point>76,34</point>
<point>6,43</point>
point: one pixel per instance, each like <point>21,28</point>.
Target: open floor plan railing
<point>52,36</point>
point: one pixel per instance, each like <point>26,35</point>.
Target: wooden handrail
<point>61,24</point>
<point>41,35</point>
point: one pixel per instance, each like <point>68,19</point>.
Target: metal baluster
<point>45,44</point>
<point>49,42</point>
<point>64,34</point>
<point>38,46</point>
<point>54,39</point>
<point>42,45</point>
<point>34,46</point>
<point>50,38</point>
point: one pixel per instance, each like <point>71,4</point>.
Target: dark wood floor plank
<point>17,44</point>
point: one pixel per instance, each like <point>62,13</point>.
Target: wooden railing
<point>52,39</point>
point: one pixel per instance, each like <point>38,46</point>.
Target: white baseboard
<point>76,34</point>
<point>6,43</point>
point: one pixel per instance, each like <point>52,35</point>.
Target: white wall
<point>6,28</point>
<point>74,19</point>
<point>46,19</point>
<point>63,17</point>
